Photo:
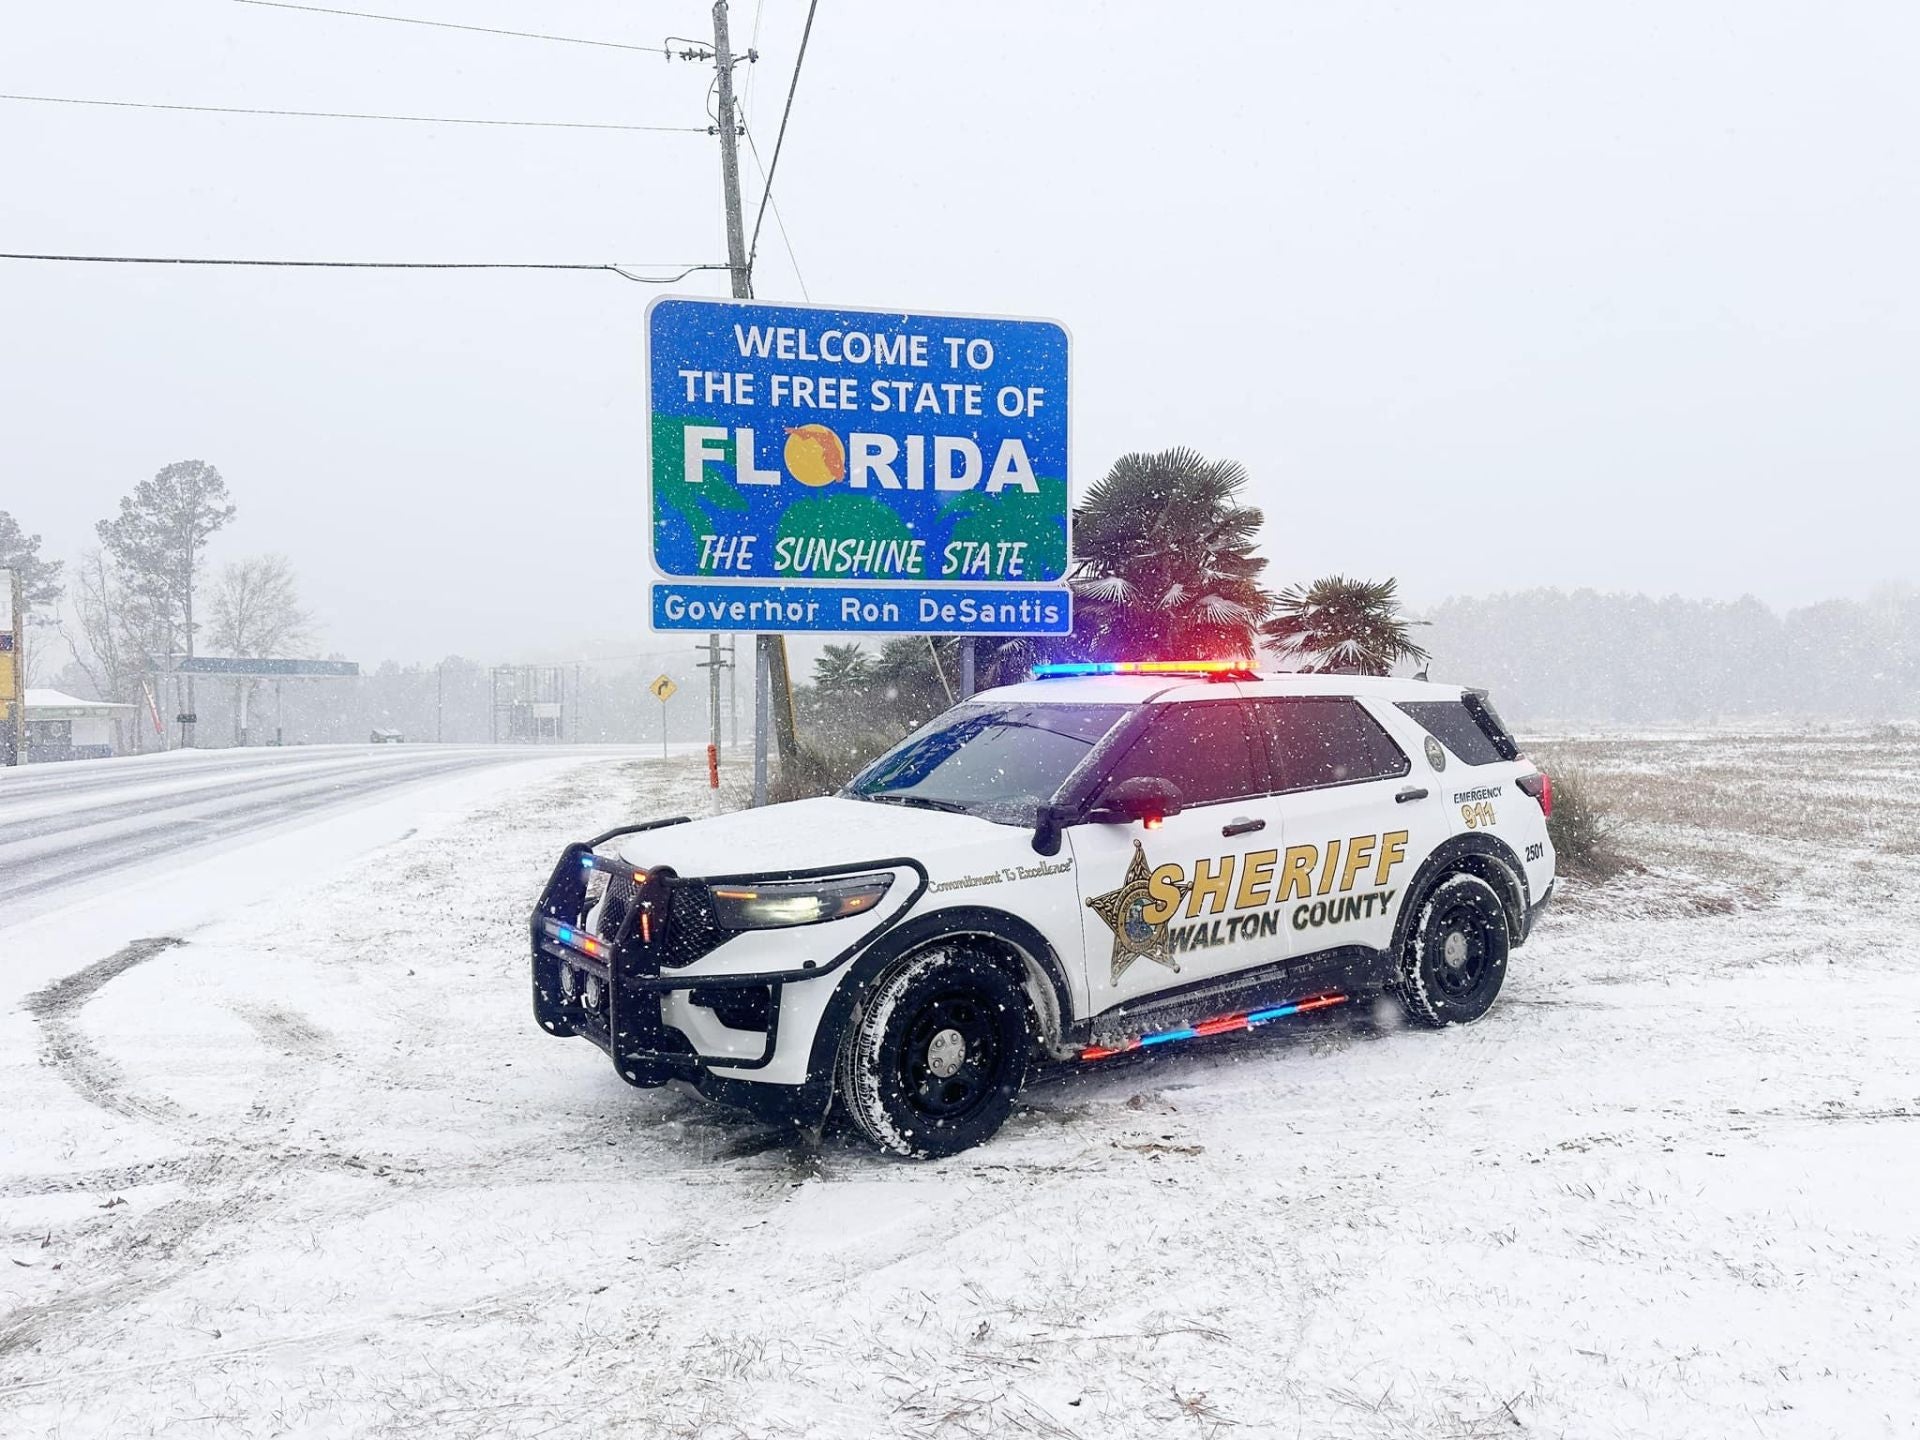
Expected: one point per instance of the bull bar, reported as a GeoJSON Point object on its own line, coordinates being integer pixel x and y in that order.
{"type": "Point", "coordinates": [651, 936]}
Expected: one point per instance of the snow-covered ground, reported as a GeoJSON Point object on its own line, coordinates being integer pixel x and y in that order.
{"type": "Point", "coordinates": [283, 1154]}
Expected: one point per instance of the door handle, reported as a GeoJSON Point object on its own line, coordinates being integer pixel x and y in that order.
{"type": "Point", "coordinates": [1416, 793]}
{"type": "Point", "coordinates": [1242, 826]}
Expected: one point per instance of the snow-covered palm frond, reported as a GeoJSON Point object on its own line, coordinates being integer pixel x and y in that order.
{"type": "Point", "coordinates": [1220, 610]}
{"type": "Point", "coordinates": [1107, 587]}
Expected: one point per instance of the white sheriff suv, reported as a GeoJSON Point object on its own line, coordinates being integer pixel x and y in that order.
{"type": "Point", "coordinates": [1105, 858]}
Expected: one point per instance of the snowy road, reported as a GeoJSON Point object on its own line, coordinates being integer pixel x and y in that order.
{"type": "Point", "coordinates": [292, 1160]}
{"type": "Point", "coordinates": [64, 825]}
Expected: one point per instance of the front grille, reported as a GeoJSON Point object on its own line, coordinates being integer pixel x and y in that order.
{"type": "Point", "coordinates": [619, 901]}
{"type": "Point", "coordinates": [693, 929]}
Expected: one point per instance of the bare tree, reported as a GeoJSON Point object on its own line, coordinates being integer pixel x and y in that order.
{"type": "Point", "coordinates": [256, 614]}
{"type": "Point", "coordinates": [256, 609]}
{"type": "Point", "coordinates": [112, 639]}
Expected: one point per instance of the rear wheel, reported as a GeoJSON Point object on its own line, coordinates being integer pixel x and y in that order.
{"type": "Point", "coordinates": [937, 1055]}
{"type": "Point", "coordinates": [1456, 956]}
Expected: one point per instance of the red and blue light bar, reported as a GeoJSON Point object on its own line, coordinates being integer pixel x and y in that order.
{"type": "Point", "coordinates": [1143, 667]}
{"type": "Point", "coordinates": [579, 940]}
{"type": "Point", "coordinates": [1226, 1024]}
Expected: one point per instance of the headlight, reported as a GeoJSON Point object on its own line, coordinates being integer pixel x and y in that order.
{"type": "Point", "coordinates": [797, 902]}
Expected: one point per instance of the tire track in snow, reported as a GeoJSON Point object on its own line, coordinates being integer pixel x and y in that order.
{"type": "Point", "coordinates": [228, 1179]}
{"type": "Point", "coordinates": [71, 1055]}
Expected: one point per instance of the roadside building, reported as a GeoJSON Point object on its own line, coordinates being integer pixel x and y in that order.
{"type": "Point", "coordinates": [65, 727]}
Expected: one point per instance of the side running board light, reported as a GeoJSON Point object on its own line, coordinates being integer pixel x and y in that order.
{"type": "Point", "coordinates": [1225, 1025]}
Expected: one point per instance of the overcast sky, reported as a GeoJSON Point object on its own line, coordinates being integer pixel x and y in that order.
{"type": "Point", "coordinates": [1484, 296]}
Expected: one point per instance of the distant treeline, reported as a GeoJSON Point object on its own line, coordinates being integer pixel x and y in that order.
{"type": "Point", "coordinates": [1584, 656]}
{"type": "Point", "coordinates": [1548, 656]}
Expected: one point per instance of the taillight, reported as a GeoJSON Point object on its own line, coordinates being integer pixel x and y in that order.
{"type": "Point", "coordinates": [1540, 786]}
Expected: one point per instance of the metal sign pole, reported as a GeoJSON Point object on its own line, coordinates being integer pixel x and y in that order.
{"type": "Point", "coordinates": [761, 680]}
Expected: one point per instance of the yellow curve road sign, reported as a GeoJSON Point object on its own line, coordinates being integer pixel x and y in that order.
{"type": "Point", "coordinates": [663, 689]}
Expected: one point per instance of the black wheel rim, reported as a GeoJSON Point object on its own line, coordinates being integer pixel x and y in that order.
{"type": "Point", "coordinates": [938, 1082]}
{"type": "Point", "coordinates": [1462, 953]}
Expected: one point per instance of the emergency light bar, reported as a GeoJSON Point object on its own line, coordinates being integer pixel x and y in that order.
{"type": "Point", "coordinates": [1227, 668]}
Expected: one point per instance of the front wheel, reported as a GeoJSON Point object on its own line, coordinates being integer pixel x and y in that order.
{"type": "Point", "coordinates": [939, 1051]}
{"type": "Point", "coordinates": [1456, 956]}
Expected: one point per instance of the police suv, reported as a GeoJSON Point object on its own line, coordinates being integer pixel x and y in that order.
{"type": "Point", "coordinates": [1105, 858]}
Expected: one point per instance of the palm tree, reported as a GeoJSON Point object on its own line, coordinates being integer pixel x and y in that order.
{"type": "Point", "coordinates": [1342, 627]}
{"type": "Point", "coordinates": [842, 668]}
{"type": "Point", "coordinates": [910, 681]}
{"type": "Point", "coordinates": [1163, 561]}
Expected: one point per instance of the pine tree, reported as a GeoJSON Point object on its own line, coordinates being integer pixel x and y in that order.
{"type": "Point", "coordinates": [20, 553]}
{"type": "Point", "coordinates": [158, 546]}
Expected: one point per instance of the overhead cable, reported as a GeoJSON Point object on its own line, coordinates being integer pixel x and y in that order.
{"type": "Point", "coordinates": [624, 271]}
{"type": "Point", "coordinates": [354, 115]}
{"type": "Point", "coordinates": [451, 25]}
{"type": "Point", "coordinates": [781, 138]}
{"type": "Point", "coordinates": [779, 222]}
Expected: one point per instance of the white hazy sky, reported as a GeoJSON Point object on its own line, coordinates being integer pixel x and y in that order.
{"type": "Point", "coordinates": [1484, 295]}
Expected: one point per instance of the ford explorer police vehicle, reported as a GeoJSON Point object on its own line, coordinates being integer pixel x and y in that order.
{"type": "Point", "coordinates": [1103, 859]}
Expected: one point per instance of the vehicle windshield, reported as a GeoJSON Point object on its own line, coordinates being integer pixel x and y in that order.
{"type": "Point", "coordinates": [1000, 762]}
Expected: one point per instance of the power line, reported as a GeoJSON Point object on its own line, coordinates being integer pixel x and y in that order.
{"type": "Point", "coordinates": [625, 272]}
{"type": "Point", "coordinates": [779, 221]}
{"type": "Point", "coordinates": [781, 138]}
{"type": "Point", "coordinates": [753, 48]}
{"type": "Point", "coordinates": [450, 25]}
{"type": "Point", "coordinates": [350, 115]}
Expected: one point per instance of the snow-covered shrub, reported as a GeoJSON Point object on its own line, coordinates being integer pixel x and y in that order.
{"type": "Point", "coordinates": [1584, 827]}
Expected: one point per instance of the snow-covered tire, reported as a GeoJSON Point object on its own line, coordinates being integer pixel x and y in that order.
{"type": "Point", "coordinates": [936, 1054]}
{"type": "Point", "coordinates": [1456, 955]}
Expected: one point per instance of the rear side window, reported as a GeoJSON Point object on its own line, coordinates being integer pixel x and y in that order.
{"type": "Point", "coordinates": [1466, 726]}
{"type": "Point", "coordinates": [1203, 748]}
{"type": "Point", "coordinates": [1316, 741]}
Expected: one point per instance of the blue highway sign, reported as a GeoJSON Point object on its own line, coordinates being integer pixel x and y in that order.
{"type": "Point", "coordinates": [851, 470]}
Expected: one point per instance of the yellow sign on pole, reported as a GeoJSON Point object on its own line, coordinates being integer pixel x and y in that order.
{"type": "Point", "coordinates": [663, 689]}
{"type": "Point", "coordinates": [13, 667]}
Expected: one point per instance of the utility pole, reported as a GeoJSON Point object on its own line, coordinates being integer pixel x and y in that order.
{"type": "Point", "coordinates": [713, 665]}
{"type": "Point", "coordinates": [736, 254]}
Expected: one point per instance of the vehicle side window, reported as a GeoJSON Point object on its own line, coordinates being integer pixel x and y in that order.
{"type": "Point", "coordinates": [1457, 727]}
{"type": "Point", "coordinates": [1202, 747]}
{"type": "Point", "coordinates": [1315, 741]}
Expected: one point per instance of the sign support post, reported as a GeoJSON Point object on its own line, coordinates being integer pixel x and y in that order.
{"type": "Point", "coordinates": [761, 679]}
{"type": "Point", "coordinates": [663, 689]}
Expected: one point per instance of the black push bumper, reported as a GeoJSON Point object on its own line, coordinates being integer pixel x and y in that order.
{"type": "Point", "coordinates": [605, 976]}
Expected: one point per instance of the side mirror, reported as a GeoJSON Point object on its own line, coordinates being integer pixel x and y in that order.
{"type": "Point", "coordinates": [1144, 797]}
{"type": "Point", "coordinates": [1046, 830]}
